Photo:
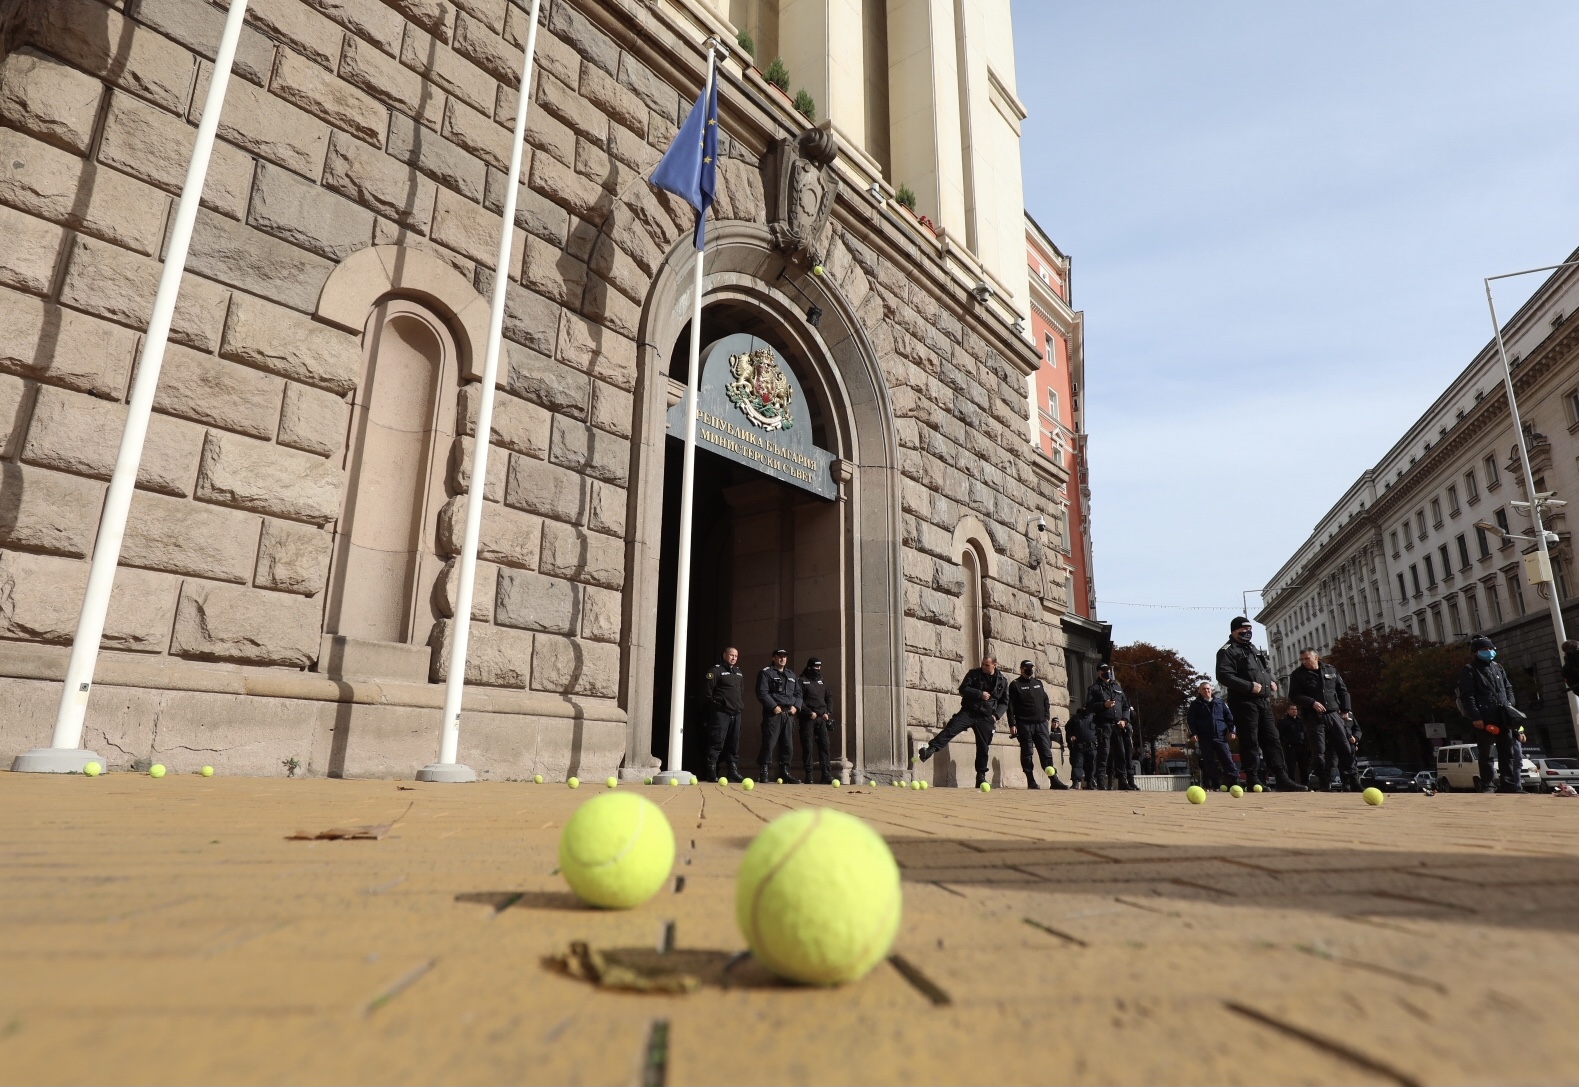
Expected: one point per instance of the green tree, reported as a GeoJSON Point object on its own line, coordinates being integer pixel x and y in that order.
{"type": "Point", "coordinates": [1397, 682]}
{"type": "Point", "coordinates": [1159, 681]}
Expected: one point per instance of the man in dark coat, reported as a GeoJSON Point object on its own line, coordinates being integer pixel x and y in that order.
{"type": "Point", "coordinates": [1323, 700]}
{"type": "Point", "coordinates": [1082, 732]}
{"type": "Point", "coordinates": [1296, 753]}
{"type": "Point", "coordinates": [816, 720]}
{"type": "Point", "coordinates": [778, 691]}
{"type": "Point", "coordinates": [1245, 675]}
{"type": "Point", "coordinates": [723, 701]}
{"type": "Point", "coordinates": [983, 697]}
{"type": "Point", "coordinates": [1108, 704]}
{"type": "Point", "coordinates": [1030, 710]}
{"type": "Point", "coordinates": [1212, 724]}
{"type": "Point", "coordinates": [1485, 696]}
{"type": "Point", "coordinates": [1121, 760]}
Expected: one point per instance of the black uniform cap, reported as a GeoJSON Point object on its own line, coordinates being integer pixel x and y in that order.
{"type": "Point", "coordinates": [1027, 664]}
{"type": "Point", "coordinates": [1239, 621]}
{"type": "Point", "coordinates": [781, 652]}
{"type": "Point", "coordinates": [1480, 641]}
{"type": "Point", "coordinates": [814, 662]}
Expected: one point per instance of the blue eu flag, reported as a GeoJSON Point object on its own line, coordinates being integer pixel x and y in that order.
{"type": "Point", "coordinates": [689, 169]}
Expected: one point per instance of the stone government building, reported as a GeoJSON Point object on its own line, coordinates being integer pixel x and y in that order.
{"type": "Point", "coordinates": [286, 589]}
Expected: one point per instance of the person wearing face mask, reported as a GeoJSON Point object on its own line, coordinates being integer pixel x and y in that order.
{"type": "Point", "coordinates": [1108, 705]}
{"type": "Point", "coordinates": [1029, 713]}
{"type": "Point", "coordinates": [816, 720]}
{"type": "Point", "coordinates": [1485, 696]}
{"type": "Point", "coordinates": [1245, 674]}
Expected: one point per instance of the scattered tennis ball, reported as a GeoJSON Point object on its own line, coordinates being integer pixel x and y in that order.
{"type": "Point", "coordinates": [616, 850]}
{"type": "Point", "coordinates": [156, 770]}
{"type": "Point", "coordinates": [818, 898]}
{"type": "Point", "coordinates": [1222, 788]}
{"type": "Point", "coordinates": [778, 781]}
{"type": "Point", "coordinates": [1374, 796]}
{"type": "Point", "coordinates": [834, 783]}
{"type": "Point", "coordinates": [646, 781]}
{"type": "Point", "coordinates": [207, 771]}
{"type": "Point", "coordinates": [574, 783]}
{"type": "Point", "coordinates": [1195, 794]}
{"type": "Point", "coordinates": [747, 784]}
{"type": "Point", "coordinates": [916, 785]}
{"type": "Point", "coordinates": [1052, 771]}
{"type": "Point", "coordinates": [1236, 792]}
{"type": "Point", "coordinates": [985, 787]}
{"type": "Point", "coordinates": [1256, 788]}
{"type": "Point", "coordinates": [537, 779]}
{"type": "Point", "coordinates": [724, 782]}
{"type": "Point", "coordinates": [674, 781]}
{"type": "Point", "coordinates": [93, 769]}
{"type": "Point", "coordinates": [925, 785]}
{"type": "Point", "coordinates": [871, 783]}
{"type": "Point", "coordinates": [611, 782]}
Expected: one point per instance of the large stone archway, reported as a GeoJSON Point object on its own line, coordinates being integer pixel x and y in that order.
{"type": "Point", "coordinates": [841, 372]}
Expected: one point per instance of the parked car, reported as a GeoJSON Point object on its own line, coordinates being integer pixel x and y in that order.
{"type": "Point", "coordinates": [1423, 782]}
{"type": "Point", "coordinates": [1389, 779]}
{"type": "Point", "coordinates": [1458, 767]}
{"type": "Point", "coordinates": [1554, 772]}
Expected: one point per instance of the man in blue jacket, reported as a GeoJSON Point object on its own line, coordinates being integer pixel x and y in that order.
{"type": "Point", "coordinates": [1212, 724]}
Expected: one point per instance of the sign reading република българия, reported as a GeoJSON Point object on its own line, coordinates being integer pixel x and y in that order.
{"type": "Point", "coordinates": [751, 409]}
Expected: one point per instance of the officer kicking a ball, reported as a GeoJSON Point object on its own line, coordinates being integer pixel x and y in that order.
{"type": "Point", "coordinates": [983, 698]}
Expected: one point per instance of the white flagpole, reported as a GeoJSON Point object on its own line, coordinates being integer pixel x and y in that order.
{"type": "Point", "coordinates": [447, 768]}
{"type": "Point", "coordinates": [682, 592]}
{"type": "Point", "coordinates": [65, 755]}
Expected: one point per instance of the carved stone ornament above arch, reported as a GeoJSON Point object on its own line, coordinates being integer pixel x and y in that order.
{"type": "Point", "coordinates": [370, 275]}
{"type": "Point", "coordinates": [971, 530]}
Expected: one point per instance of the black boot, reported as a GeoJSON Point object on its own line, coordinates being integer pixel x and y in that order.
{"type": "Point", "coordinates": [1056, 782]}
{"type": "Point", "coordinates": [827, 774]}
{"type": "Point", "coordinates": [733, 773]}
{"type": "Point", "coordinates": [1286, 784]}
{"type": "Point", "coordinates": [1030, 782]}
{"type": "Point", "coordinates": [791, 779]}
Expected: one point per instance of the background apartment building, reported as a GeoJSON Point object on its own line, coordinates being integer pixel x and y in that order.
{"type": "Point", "coordinates": [1401, 547]}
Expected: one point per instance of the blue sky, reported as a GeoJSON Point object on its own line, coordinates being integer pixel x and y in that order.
{"type": "Point", "coordinates": [1279, 216]}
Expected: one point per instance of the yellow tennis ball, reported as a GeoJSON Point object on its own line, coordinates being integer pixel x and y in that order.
{"type": "Point", "coordinates": [871, 783]}
{"type": "Point", "coordinates": [1236, 792]}
{"type": "Point", "coordinates": [724, 782]}
{"type": "Point", "coordinates": [817, 897]}
{"type": "Point", "coordinates": [537, 779]}
{"type": "Point", "coordinates": [1195, 794]}
{"type": "Point", "coordinates": [778, 781]}
{"type": "Point", "coordinates": [747, 784]}
{"type": "Point", "coordinates": [207, 771]}
{"type": "Point", "coordinates": [1052, 771]}
{"type": "Point", "coordinates": [925, 784]}
{"type": "Point", "coordinates": [616, 850]}
{"type": "Point", "coordinates": [1256, 788]}
{"type": "Point", "coordinates": [916, 785]}
{"type": "Point", "coordinates": [834, 783]}
{"type": "Point", "coordinates": [156, 770]}
{"type": "Point", "coordinates": [1374, 796]}
{"type": "Point", "coordinates": [574, 783]}
{"type": "Point", "coordinates": [674, 782]}
{"type": "Point", "coordinates": [986, 787]}
{"type": "Point", "coordinates": [93, 769]}
{"type": "Point", "coordinates": [646, 781]}
{"type": "Point", "coordinates": [611, 783]}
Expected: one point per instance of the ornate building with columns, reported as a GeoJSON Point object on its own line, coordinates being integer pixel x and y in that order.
{"type": "Point", "coordinates": [286, 589]}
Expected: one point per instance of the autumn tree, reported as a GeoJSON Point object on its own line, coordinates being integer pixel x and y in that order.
{"type": "Point", "coordinates": [1158, 682]}
{"type": "Point", "coordinates": [1397, 682]}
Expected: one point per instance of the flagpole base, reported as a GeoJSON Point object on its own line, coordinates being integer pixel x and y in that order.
{"type": "Point", "coordinates": [447, 772]}
{"type": "Point", "coordinates": [54, 760]}
{"type": "Point", "coordinates": [680, 777]}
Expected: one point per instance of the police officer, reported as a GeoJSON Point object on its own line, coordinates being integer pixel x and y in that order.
{"type": "Point", "coordinates": [1082, 733]}
{"type": "Point", "coordinates": [1212, 724]}
{"type": "Point", "coordinates": [815, 720]}
{"type": "Point", "coordinates": [779, 693]}
{"type": "Point", "coordinates": [1245, 674]}
{"type": "Point", "coordinates": [723, 700]}
{"type": "Point", "coordinates": [1108, 705]}
{"type": "Point", "coordinates": [1121, 763]}
{"type": "Point", "coordinates": [1485, 696]}
{"type": "Point", "coordinates": [1029, 713]}
{"type": "Point", "coordinates": [983, 698]}
{"type": "Point", "coordinates": [1296, 755]}
{"type": "Point", "coordinates": [1323, 700]}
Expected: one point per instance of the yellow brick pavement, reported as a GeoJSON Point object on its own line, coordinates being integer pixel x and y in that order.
{"type": "Point", "coordinates": [168, 932]}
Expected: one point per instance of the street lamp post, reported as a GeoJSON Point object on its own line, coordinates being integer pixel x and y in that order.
{"type": "Point", "coordinates": [1541, 537]}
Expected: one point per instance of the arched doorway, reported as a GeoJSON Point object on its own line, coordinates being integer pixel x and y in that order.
{"type": "Point", "coordinates": [814, 576]}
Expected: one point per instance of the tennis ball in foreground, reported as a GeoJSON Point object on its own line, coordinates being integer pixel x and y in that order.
{"type": "Point", "coordinates": [1256, 788]}
{"type": "Point", "coordinates": [574, 783]}
{"type": "Point", "coordinates": [817, 897]}
{"type": "Point", "coordinates": [1052, 771]}
{"type": "Point", "coordinates": [93, 769]}
{"type": "Point", "coordinates": [1236, 792]}
{"type": "Point", "coordinates": [156, 770]}
{"type": "Point", "coordinates": [1195, 794]}
{"type": "Point", "coordinates": [724, 782]}
{"type": "Point", "coordinates": [537, 779]}
{"type": "Point", "coordinates": [747, 784]}
{"type": "Point", "coordinates": [616, 850]}
{"type": "Point", "coordinates": [1374, 796]}
{"type": "Point", "coordinates": [778, 781]}
{"type": "Point", "coordinates": [611, 782]}
{"type": "Point", "coordinates": [207, 771]}
{"type": "Point", "coordinates": [834, 783]}
{"type": "Point", "coordinates": [916, 785]}
{"type": "Point", "coordinates": [925, 785]}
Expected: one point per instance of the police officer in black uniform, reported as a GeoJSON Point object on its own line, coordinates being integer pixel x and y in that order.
{"type": "Point", "coordinates": [1121, 763]}
{"type": "Point", "coordinates": [816, 719]}
{"type": "Point", "coordinates": [983, 698]}
{"type": "Point", "coordinates": [779, 693]}
{"type": "Point", "coordinates": [1029, 713]}
{"type": "Point", "coordinates": [1296, 751]}
{"type": "Point", "coordinates": [1246, 676]}
{"type": "Point", "coordinates": [723, 700]}
{"type": "Point", "coordinates": [1323, 700]}
{"type": "Point", "coordinates": [1082, 733]}
{"type": "Point", "coordinates": [1485, 696]}
{"type": "Point", "coordinates": [1108, 705]}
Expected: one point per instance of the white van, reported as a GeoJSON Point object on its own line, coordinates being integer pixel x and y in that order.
{"type": "Point", "coordinates": [1458, 767]}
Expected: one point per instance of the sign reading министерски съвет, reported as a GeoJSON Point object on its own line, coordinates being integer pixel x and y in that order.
{"type": "Point", "coordinates": [751, 409]}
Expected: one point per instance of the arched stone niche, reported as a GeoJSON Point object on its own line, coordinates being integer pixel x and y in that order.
{"type": "Point", "coordinates": [838, 367]}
